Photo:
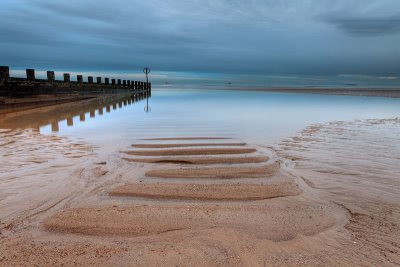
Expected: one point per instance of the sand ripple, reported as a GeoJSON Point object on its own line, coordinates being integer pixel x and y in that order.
{"type": "Point", "coordinates": [192, 151]}
{"type": "Point", "coordinates": [185, 145]}
{"type": "Point", "coordinates": [217, 172]}
{"type": "Point", "coordinates": [200, 160]}
{"type": "Point", "coordinates": [146, 220]}
{"type": "Point", "coordinates": [236, 191]}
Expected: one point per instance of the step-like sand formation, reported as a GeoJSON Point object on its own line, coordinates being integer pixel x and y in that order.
{"type": "Point", "coordinates": [233, 160]}
{"type": "Point", "coordinates": [217, 172]}
{"type": "Point", "coordinates": [200, 160]}
{"type": "Point", "coordinates": [227, 191]}
{"type": "Point", "coordinates": [191, 151]}
{"type": "Point", "coordinates": [274, 223]}
{"type": "Point", "coordinates": [185, 138]}
{"type": "Point", "coordinates": [185, 145]}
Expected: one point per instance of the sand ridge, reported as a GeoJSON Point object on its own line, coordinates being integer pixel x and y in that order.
{"type": "Point", "coordinates": [227, 191]}
{"type": "Point", "coordinates": [217, 172]}
{"type": "Point", "coordinates": [185, 145]}
{"type": "Point", "coordinates": [199, 160]}
{"type": "Point", "coordinates": [191, 151]}
{"type": "Point", "coordinates": [185, 138]}
{"type": "Point", "coordinates": [150, 220]}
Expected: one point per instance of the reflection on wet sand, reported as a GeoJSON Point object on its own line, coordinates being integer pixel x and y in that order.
{"type": "Point", "coordinates": [53, 115]}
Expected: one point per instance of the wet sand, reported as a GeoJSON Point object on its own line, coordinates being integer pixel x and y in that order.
{"type": "Point", "coordinates": [328, 196]}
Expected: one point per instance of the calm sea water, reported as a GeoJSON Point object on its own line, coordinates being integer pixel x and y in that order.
{"type": "Point", "coordinates": [257, 116]}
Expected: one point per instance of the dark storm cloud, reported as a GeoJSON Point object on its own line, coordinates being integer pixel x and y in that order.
{"type": "Point", "coordinates": [261, 36]}
{"type": "Point", "coordinates": [368, 26]}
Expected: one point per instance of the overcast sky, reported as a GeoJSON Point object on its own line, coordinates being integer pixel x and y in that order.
{"type": "Point", "coordinates": [223, 36]}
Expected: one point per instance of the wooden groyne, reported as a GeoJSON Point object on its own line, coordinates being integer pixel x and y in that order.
{"type": "Point", "coordinates": [31, 91]}
{"type": "Point", "coordinates": [30, 85]}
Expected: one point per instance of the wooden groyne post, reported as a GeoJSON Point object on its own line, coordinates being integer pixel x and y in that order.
{"type": "Point", "coordinates": [50, 76]}
{"type": "Point", "coordinates": [67, 78]}
{"type": "Point", "coordinates": [30, 75]}
{"type": "Point", "coordinates": [4, 73]}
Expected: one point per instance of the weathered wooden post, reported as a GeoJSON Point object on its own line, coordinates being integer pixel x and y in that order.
{"type": "Point", "coordinates": [30, 75]}
{"type": "Point", "coordinates": [67, 77]}
{"type": "Point", "coordinates": [125, 102]}
{"type": "Point", "coordinates": [50, 76]}
{"type": "Point", "coordinates": [98, 80]}
{"type": "Point", "coordinates": [128, 83]}
{"type": "Point", "coordinates": [4, 73]}
{"type": "Point", "coordinates": [79, 79]}
{"type": "Point", "coordinates": [70, 121]}
{"type": "Point", "coordinates": [108, 108]}
{"type": "Point", "coordinates": [120, 104]}
{"type": "Point", "coordinates": [113, 81]}
{"type": "Point", "coordinates": [119, 82]}
{"type": "Point", "coordinates": [135, 86]}
{"type": "Point", "coordinates": [54, 126]}
{"type": "Point", "coordinates": [82, 116]}
{"type": "Point", "coordinates": [114, 106]}
{"type": "Point", "coordinates": [90, 79]}
{"type": "Point", "coordinates": [101, 111]}
{"type": "Point", "coordinates": [124, 82]}
{"type": "Point", "coordinates": [142, 85]}
{"type": "Point", "coordinates": [107, 81]}
{"type": "Point", "coordinates": [92, 114]}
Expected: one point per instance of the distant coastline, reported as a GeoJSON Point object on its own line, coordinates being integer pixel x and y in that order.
{"type": "Point", "coordinates": [374, 92]}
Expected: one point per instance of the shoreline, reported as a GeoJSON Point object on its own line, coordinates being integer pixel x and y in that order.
{"type": "Point", "coordinates": [370, 92]}
{"type": "Point", "coordinates": [392, 93]}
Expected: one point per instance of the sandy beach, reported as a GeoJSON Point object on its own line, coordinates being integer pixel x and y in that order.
{"type": "Point", "coordinates": [200, 133]}
{"type": "Point", "coordinates": [327, 196]}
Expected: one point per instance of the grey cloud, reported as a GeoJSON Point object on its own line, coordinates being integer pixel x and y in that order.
{"type": "Point", "coordinates": [368, 26]}
{"type": "Point", "coordinates": [263, 36]}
